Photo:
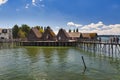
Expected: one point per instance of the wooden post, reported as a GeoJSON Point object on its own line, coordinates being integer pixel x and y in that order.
{"type": "Point", "coordinates": [83, 62]}
{"type": "Point", "coordinates": [109, 49]}
{"type": "Point", "coordinates": [112, 49]}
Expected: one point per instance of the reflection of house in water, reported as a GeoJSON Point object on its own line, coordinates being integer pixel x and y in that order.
{"type": "Point", "coordinates": [5, 33]}
{"type": "Point", "coordinates": [61, 54]}
{"type": "Point", "coordinates": [48, 54]}
{"type": "Point", "coordinates": [33, 53]}
{"type": "Point", "coordinates": [49, 35]}
{"type": "Point", "coordinates": [34, 35]}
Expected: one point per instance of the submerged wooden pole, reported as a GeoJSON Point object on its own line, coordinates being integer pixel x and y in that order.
{"type": "Point", "coordinates": [83, 62]}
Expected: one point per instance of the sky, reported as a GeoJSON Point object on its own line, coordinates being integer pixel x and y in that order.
{"type": "Point", "coordinates": [101, 16]}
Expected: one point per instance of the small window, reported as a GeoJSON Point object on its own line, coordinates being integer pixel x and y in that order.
{"type": "Point", "coordinates": [59, 38]}
{"type": "Point", "coordinates": [4, 31]}
{"type": "Point", "coordinates": [2, 38]}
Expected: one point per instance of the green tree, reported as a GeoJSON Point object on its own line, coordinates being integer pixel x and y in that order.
{"type": "Point", "coordinates": [40, 28]}
{"type": "Point", "coordinates": [69, 30]}
{"type": "Point", "coordinates": [21, 34]}
{"type": "Point", "coordinates": [15, 31]}
{"type": "Point", "coordinates": [74, 30]}
{"type": "Point", "coordinates": [77, 30]}
{"type": "Point", "coordinates": [25, 28]}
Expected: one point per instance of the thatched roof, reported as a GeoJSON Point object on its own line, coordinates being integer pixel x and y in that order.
{"type": "Point", "coordinates": [49, 31]}
{"type": "Point", "coordinates": [85, 35]}
{"type": "Point", "coordinates": [36, 32]}
{"type": "Point", "coordinates": [0, 30]}
{"type": "Point", "coordinates": [88, 35]}
{"type": "Point", "coordinates": [64, 32]}
{"type": "Point", "coordinates": [52, 33]}
{"type": "Point", "coordinates": [93, 34]}
{"type": "Point", "coordinates": [74, 34]}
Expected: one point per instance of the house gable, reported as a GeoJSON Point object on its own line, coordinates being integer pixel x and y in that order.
{"type": "Point", "coordinates": [62, 35]}
{"type": "Point", "coordinates": [49, 35]}
{"type": "Point", "coordinates": [34, 35]}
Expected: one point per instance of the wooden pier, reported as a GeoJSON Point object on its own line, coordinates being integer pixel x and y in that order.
{"type": "Point", "coordinates": [104, 48]}
{"type": "Point", "coordinates": [47, 43]}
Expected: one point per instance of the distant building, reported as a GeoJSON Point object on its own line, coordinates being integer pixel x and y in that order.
{"type": "Point", "coordinates": [6, 34]}
{"type": "Point", "coordinates": [34, 35]}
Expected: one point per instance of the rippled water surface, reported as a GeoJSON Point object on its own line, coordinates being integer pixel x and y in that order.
{"type": "Point", "coordinates": [51, 63]}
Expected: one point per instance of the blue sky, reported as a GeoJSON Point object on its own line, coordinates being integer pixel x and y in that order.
{"type": "Point", "coordinates": [102, 16]}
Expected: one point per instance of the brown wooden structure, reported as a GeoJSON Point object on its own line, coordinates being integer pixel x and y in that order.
{"type": "Point", "coordinates": [34, 35]}
{"type": "Point", "coordinates": [49, 35]}
{"type": "Point", "coordinates": [74, 35]}
{"type": "Point", "coordinates": [67, 36]}
{"type": "Point", "coordinates": [102, 48]}
{"type": "Point", "coordinates": [48, 43]}
{"type": "Point", "coordinates": [62, 35]}
{"type": "Point", "coordinates": [88, 37]}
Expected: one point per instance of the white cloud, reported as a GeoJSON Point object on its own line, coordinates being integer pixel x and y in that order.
{"type": "Point", "coordinates": [99, 28]}
{"type": "Point", "coordinates": [57, 27]}
{"type": "Point", "coordinates": [72, 24]}
{"type": "Point", "coordinates": [34, 2]}
{"type": "Point", "coordinates": [3, 1]}
{"type": "Point", "coordinates": [41, 0]}
{"type": "Point", "coordinates": [93, 26]}
{"type": "Point", "coordinates": [38, 3]}
{"type": "Point", "coordinates": [27, 6]}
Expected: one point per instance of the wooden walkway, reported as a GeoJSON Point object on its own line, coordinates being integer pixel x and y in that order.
{"type": "Point", "coordinates": [47, 43]}
{"type": "Point", "coordinates": [106, 48]}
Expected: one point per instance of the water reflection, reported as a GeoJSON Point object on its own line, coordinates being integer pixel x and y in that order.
{"type": "Point", "coordinates": [33, 53]}
{"type": "Point", "coordinates": [42, 63]}
{"type": "Point", "coordinates": [48, 53]}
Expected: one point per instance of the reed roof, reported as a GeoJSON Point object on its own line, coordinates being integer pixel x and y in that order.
{"type": "Point", "coordinates": [37, 32]}
{"type": "Point", "coordinates": [74, 34]}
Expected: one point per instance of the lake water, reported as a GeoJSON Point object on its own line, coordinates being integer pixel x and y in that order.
{"type": "Point", "coordinates": [56, 63]}
{"type": "Point", "coordinates": [107, 38]}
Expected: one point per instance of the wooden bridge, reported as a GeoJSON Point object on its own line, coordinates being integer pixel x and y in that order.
{"type": "Point", "coordinates": [106, 48]}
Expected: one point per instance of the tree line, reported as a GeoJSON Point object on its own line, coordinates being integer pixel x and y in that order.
{"type": "Point", "coordinates": [23, 31]}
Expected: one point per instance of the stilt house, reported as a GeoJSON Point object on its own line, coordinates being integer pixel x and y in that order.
{"type": "Point", "coordinates": [67, 36]}
{"type": "Point", "coordinates": [63, 35]}
{"type": "Point", "coordinates": [88, 36]}
{"type": "Point", "coordinates": [48, 35]}
{"type": "Point", "coordinates": [34, 35]}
